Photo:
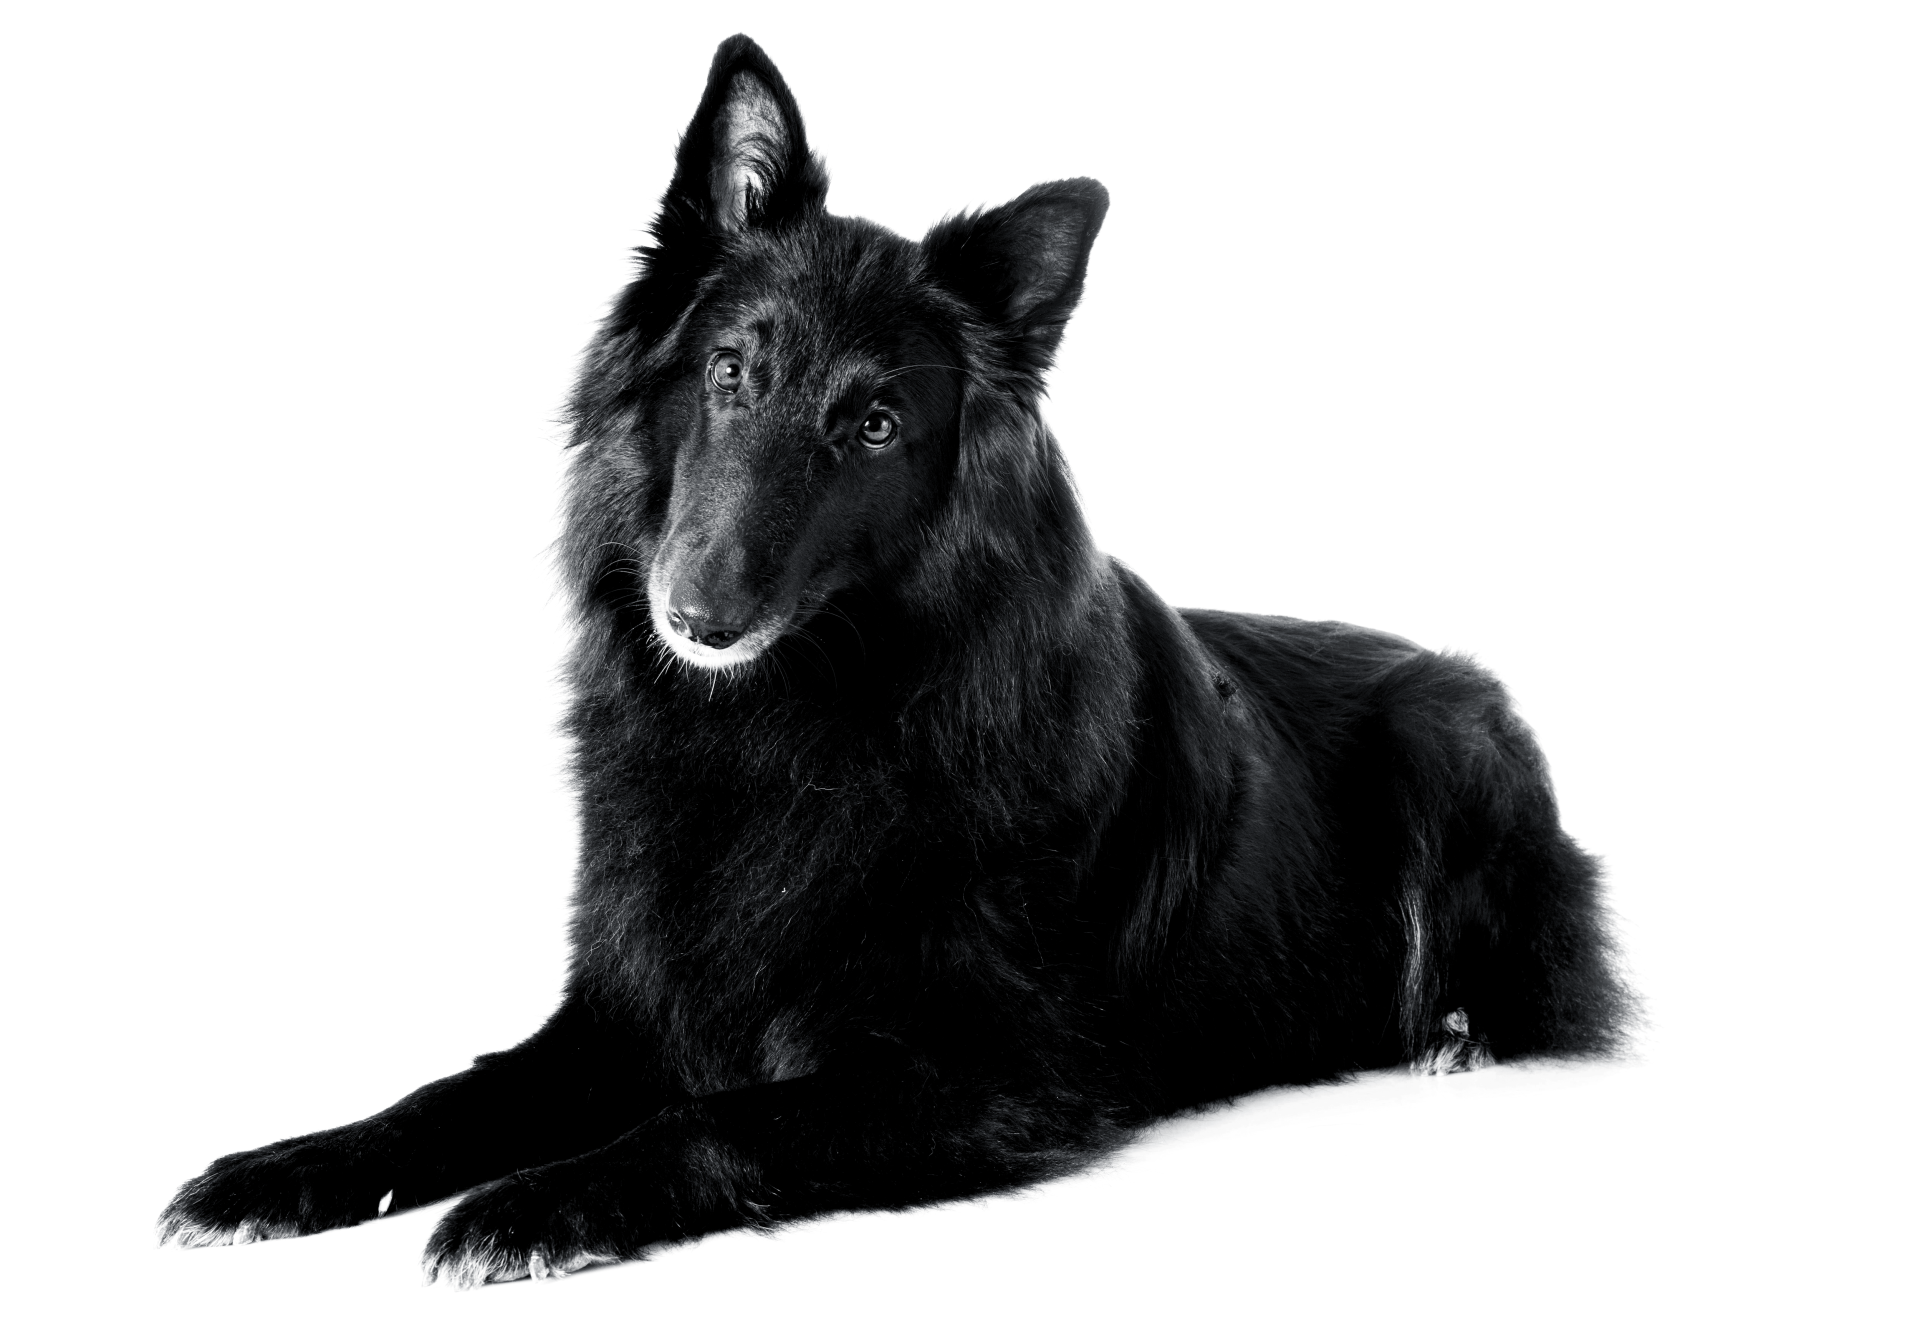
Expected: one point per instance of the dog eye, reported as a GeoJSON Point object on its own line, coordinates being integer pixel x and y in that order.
{"type": "Point", "coordinates": [726, 371]}
{"type": "Point", "coordinates": [877, 431]}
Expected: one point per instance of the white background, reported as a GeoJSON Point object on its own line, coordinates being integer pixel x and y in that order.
{"type": "Point", "coordinates": [1582, 340]}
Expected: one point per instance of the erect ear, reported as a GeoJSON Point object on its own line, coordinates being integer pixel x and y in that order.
{"type": "Point", "coordinates": [744, 161]}
{"type": "Point", "coordinates": [1022, 265]}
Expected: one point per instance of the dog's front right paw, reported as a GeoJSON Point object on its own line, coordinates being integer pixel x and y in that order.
{"type": "Point", "coordinates": [288, 1189]}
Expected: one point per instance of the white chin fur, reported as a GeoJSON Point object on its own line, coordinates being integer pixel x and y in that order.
{"type": "Point", "coordinates": [743, 652]}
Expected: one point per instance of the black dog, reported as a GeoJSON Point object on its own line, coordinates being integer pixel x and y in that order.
{"type": "Point", "coordinates": [925, 852]}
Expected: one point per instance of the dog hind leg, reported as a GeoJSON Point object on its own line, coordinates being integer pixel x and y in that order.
{"type": "Point", "coordinates": [1501, 911]}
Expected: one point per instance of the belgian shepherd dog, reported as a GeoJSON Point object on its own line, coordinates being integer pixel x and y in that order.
{"type": "Point", "coordinates": [924, 851]}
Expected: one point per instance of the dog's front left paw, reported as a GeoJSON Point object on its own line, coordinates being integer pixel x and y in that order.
{"type": "Point", "coordinates": [534, 1224]}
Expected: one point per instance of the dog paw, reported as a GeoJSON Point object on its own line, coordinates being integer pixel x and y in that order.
{"type": "Point", "coordinates": [288, 1189]}
{"type": "Point", "coordinates": [1455, 1049]}
{"type": "Point", "coordinates": [522, 1227]}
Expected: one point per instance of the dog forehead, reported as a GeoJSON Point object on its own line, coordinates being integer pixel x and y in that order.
{"type": "Point", "coordinates": [830, 289]}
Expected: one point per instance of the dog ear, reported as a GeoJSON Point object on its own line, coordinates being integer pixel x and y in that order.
{"type": "Point", "coordinates": [743, 162]}
{"type": "Point", "coordinates": [1022, 265]}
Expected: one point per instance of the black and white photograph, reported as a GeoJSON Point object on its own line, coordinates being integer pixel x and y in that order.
{"type": "Point", "coordinates": [1019, 660]}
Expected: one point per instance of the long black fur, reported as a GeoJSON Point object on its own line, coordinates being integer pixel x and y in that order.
{"type": "Point", "coordinates": [983, 856]}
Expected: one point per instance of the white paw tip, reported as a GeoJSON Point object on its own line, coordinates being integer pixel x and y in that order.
{"type": "Point", "coordinates": [385, 1202]}
{"type": "Point", "coordinates": [185, 1233]}
{"type": "Point", "coordinates": [537, 1265]}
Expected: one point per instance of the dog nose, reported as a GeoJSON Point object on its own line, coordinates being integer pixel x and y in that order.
{"type": "Point", "coordinates": [717, 623]}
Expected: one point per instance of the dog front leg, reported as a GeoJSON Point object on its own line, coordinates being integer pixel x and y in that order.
{"type": "Point", "coordinates": [570, 1087]}
{"type": "Point", "coordinates": [760, 1156]}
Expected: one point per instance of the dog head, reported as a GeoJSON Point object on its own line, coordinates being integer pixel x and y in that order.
{"type": "Point", "coordinates": [781, 405]}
